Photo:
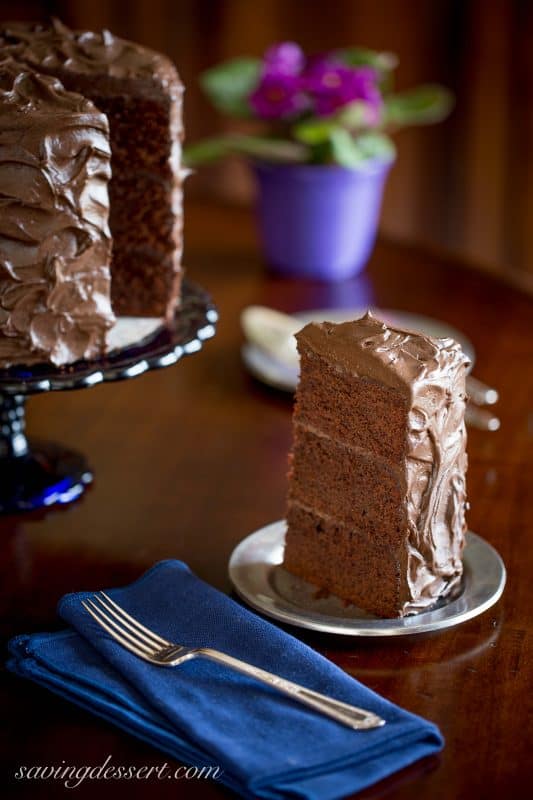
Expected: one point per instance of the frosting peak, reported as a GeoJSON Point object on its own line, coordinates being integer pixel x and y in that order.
{"type": "Point", "coordinates": [25, 91]}
{"type": "Point", "coordinates": [55, 46]}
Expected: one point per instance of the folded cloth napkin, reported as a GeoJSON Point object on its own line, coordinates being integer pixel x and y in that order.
{"type": "Point", "coordinates": [205, 714]}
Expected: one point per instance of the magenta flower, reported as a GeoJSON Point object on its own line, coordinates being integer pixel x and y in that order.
{"type": "Point", "coordinates": [286, 58]}
{"type": "Point", "coordinates": [290, 85]}
{"type": "Point", "coordinates": [278, 96]}
{"type": "Point", "coordinates": [334, 85]}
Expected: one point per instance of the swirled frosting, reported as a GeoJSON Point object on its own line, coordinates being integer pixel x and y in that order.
{"type": "Point", "coordinates": [430, 374]}
{"type": "Point", "coordinates": [55, 244]}
{"type": "Point", "coordinates": [55, 47]}
{"type": "Point", "coordinates": [141, 94]}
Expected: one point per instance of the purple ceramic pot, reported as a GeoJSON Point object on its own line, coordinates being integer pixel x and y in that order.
{"type": "Point", "coordinates": [319, 221]}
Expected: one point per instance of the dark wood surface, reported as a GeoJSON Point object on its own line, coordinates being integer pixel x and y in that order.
{"type": "Point", "coordinates": [191, 459]}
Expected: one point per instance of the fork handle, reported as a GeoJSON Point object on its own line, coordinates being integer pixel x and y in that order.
{"type": "Point", "coordinates": [353, 717]}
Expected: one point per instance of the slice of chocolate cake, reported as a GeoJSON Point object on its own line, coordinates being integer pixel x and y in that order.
{"type": "Point", "coordinates": [376, 511]}
{"type": "Point", "coordinates": [55, 244]}
{"type": "Point", "coordinates": [140, 93]}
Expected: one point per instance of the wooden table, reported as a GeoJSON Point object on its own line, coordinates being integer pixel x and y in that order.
{"type": "Point", "coordinates": [191, 459]}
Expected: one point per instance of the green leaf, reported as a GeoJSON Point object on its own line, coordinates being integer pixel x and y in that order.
{"type": "Point", "coordinates": [229, 84]}
{"type": "Point", "coordinates": [361, 56]}
{"type": "Point", "coordinates": [206, 151]}
{"type": "Point", "coordinates": [344, 150]}
{"type": "Point", "coordinates": [279, 150]}
{"type": "Point", "coordinates": [314, 131]}
{"type": "Point", "coordinates": [282, 150]}
{"type": "Point", "coordinates": [354, 115]}
{"type": "Point", "coordinates": [373, 144]}
{"type": "Point", "coordinates": [339, 147]}
{"type": "Point", "coordinates": [421, 106]}
{"type": "Point", "coordinates": [353, 151]}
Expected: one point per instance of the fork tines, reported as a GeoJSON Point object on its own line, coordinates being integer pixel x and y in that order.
{"type": "Point", "coordinates": [123, 627]}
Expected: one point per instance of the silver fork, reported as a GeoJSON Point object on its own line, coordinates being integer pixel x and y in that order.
{"type": "Point", "coordinates": [146, 644]}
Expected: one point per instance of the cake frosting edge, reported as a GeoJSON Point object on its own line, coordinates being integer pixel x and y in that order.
{"type": "Point", "coordinates": [55, 244]}
{"type": "Point", "coordinates": [430, 373]}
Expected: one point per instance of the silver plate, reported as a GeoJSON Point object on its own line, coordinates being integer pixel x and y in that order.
{"type": "Point", "coordinates": [256, 573]}
{"type": "Point", "coordinates": [282, 376]}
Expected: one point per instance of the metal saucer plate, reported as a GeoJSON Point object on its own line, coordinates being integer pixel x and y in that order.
{"type": "Point", "coordinates": [257, 575]}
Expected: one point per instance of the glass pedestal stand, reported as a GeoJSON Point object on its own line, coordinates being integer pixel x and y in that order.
{"type": "Point", "coordinates": [35, 474]}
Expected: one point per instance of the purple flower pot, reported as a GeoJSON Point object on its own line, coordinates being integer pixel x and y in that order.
{"type": "Point", "coordinates": [319, 222]}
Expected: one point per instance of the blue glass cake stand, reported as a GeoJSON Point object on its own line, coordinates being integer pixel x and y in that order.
{"type": "Point", "coordinates": [35, 474]}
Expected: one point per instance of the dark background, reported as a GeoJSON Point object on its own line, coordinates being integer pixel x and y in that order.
{"type": "Point", "coordinates": [462, 185]}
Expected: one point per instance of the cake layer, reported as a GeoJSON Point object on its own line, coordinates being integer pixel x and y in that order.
{"type": "Point", "coordinates": [362, 491]}
{"type": "Point", "coordinates": [144, 274]}
{"type": "Point", "coordinates": [360, 412]}
{"type": "Point", "coordinates": [346, 562]}
{"type": "Point", "coordinates": [146, 205]}
{"type": "Point", "coordinates": [379, 460]}
{"type": "Point", "coordinates": [55, 245]}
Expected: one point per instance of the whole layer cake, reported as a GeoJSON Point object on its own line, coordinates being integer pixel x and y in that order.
{"type": "Point", "coordinates": [376, 510]}
{"type": "Point", "coordinates": [55, 244]}
{"type": "Point", "coordinates": [140, 93]}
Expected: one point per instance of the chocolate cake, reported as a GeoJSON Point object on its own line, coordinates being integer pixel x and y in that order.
{"type": "Point", "coordinates": [140, 93]}
{"type": "Point", "coordinates": [376, 510]}
{"type": "Point", "coordinates": [55, 243]}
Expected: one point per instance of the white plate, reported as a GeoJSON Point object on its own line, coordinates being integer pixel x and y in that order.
{"type": "Point", "coordinates": [256, 573]}
{"type": "Point", "coordinates": [268, 370]}
{"type": "Point", "coordinates": [275, 373]}
{"type": "Point", "coordinates": [131, 330]}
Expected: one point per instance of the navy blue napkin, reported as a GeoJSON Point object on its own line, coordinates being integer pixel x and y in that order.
{"type": "Point", "coordinates": [205, 714]}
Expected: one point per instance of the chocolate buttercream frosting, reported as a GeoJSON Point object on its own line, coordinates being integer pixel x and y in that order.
{"type": "Point", "coordinates": [430, 374]}
{"type": "Point", "coordinates": [54, 47]}
{"type": "Point", "coordinates": [120, 76]}
{"type": "Point", "coordinates": [55, 244]}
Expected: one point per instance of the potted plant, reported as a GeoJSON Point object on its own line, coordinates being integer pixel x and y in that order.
{"type": "Point", "coordinates": [322, 164]}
